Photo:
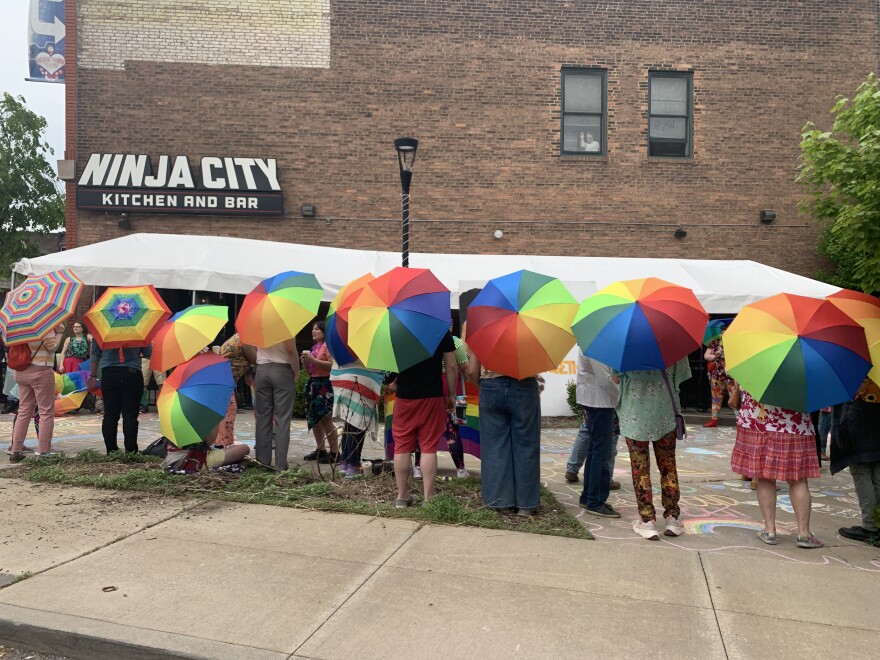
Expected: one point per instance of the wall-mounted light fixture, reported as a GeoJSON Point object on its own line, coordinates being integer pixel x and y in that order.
{"type": "Point", "coordinates": [124, 221]}
{"type": "Point", "coordinates": [308, 210]}
{"type": "Point", "coordinates": [498, 233]}
{"type": "Point", "coordinates": [767, 217]}
{"type": "Point", "coordinates": [680, 233]}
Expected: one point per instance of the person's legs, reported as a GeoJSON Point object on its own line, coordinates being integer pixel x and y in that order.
{"type": "Point", "coordinates": [801, 502]}
{"type": "Point", "coordinates": [717, 389]}
{"type": "Point", "coordinates": [670, 493]}
{"type": "Point", "coordinates": [284, 393]}
{"type": "Point", "coordinates": [640, 463]}
{"type": "Point", "coordinates": [524, 408]}
{"type": "Point", "coordinates": [44, 389]}
{"type": "Point", "coordinates": [111, 391]}
{"type": "Point", "coordinates": [429, 473]}
{"type": "Point", "coordinates": [131, 391]}
{"type": "Point", "coordinates": [766, 492]}
{"type": "Point", "coordinates": [406, 424]}
{"type": "Point", "coordinates": [866, 478]}
{"type": "Point", "coordinates": [328, 431]}
{"type": "Point", "coordinates": [27, 399]}
{"type": "Point", "coordinates": [612, 458]}
{"type": "Point", "coordinates": [226, 435]}
{"type": "Point", "coordinates": [495, 445]}
{"type": "Point", "coordinates": [264, 402]}
{"type": "Point", "coordinates": [597, 478]}
{"type": "Point", "coordinates": [824, 429]}
{"type": "Point", "coordinates": [235, 453]}
{"type": "Point", "coordinates": [578, 451]}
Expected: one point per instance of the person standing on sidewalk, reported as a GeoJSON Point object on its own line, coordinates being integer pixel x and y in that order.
{"type": "Point", "coordinates": [857, 446]}
{"type": "Point", "coordinates": [36, 387]}
{"type": "Point", "coordinates": [277, 371]}
{"type": "Point", "coordinates": [718, 379]}
{"type": "Point", "coordinates": [579, 450]}
{"type": "Point", "coordinates": [121, 388]}
{"type": "Point", "coordinates": [599, 396]}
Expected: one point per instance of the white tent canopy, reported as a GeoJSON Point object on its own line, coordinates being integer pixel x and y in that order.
{"type": "Point", "coordinates": [237, 265]}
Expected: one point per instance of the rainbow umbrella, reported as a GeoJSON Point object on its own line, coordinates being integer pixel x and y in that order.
{"type": "Point", "coordinates": [796, 352]}
{"type": "Point", "coordinates": [866, 310]}
{"type": "Point", "coordinates": [520, 324]}
{"type": "Point", "coordinates": [194, 399]}
{"type": "Point", "coordinates": [399, 319]}
{"type": "Point", "coordinates": [640, 324]}
{"type": "Point", "coordinates": [278, 308]}
{"type": "Point", "coordinates": [75, 381]}
{"type": "Point", "coordinates": [185, 334]}
{"type": "Point", "coordinates": [336, 324]}
{"type": "Point", "coordinates": [126, 316]}
{"type": "Point", "coordinates": [714, 330]}
{"type": "Point", "coordinates": [69, 402]}
{"type": "Point", "coordinates": [35, 307]}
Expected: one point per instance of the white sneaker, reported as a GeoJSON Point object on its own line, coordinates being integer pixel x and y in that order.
{"type": "Point", "coordinates": [674, 527]}
{"type": "Point", "coordinates": [462, 473]}
{"type": "Point", "coordinates": [417, 472]}
{"type": "Point", "coordinates": [647, 530]}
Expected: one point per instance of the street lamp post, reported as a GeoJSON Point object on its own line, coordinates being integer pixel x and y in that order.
{"type": "Point", "coordinates": [406, 157]}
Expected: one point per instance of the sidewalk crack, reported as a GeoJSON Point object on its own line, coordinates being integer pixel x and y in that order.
{"type": "Point", "coordinates": [712, 601]}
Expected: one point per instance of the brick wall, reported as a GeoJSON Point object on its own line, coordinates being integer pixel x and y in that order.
{"type": "Point", "coordinates": [479, 84]}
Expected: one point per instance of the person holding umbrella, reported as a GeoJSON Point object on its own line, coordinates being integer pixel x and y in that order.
{"type": "Point", "coordinates": [36, 387]}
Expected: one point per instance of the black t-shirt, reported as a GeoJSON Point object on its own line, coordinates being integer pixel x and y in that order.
{"type": "Point", "coordinates": [424, 379]}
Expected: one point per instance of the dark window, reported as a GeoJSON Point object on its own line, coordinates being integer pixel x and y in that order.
{"type": "Point", "coordinates": [670, 114]}
{"type": "Point", "coordinates": [583, 111]}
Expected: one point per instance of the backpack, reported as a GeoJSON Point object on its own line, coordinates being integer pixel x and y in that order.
{"type": "Point", "coordinates": [157, 448]}
{"type": "Point", "coordinates": [19, 357]}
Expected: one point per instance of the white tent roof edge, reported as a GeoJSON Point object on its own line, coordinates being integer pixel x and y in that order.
{"type": "Point", "coordinates": [237, 265]}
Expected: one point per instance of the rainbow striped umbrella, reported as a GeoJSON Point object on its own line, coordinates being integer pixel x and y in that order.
{"type": "Point", "coordinates": [796, 352]}
{"type": "Point", "coordinates": [640, 324]}
{"type": "Point", "coordinates": [187, 333]}
{"type": "Point", "coordinates": [520, 324]}
{"type": "Point", "coordinates": [69, 402]}
{"type": "Point", "coordinates": [126, 316]}
{"type": "Point", "coordinates": [336, 325]}
{"type": "Point", "coordinates": [35, 307]}
{"type": "Point", "coordinates": [278, 308]}
{"type": "Point", "coordinates": [194, 399]}
{"type": "Point", "coordinates": [75, 381]}
{"type": "Point", "coordinates": [866, 310]}
{"type": "Point", "coordinates": [399, 319]}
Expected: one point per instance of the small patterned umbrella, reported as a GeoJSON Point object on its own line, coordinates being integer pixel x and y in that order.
{"type": "Point", "coordinates": [126, 316]}
{"type": "Point", "coordinates": [32, 309]}
{"type": "Point", "coordinates": [278, 308]}
{"type": "Point", "coordinates": [186, 333]}
{"type": "Point", "coordinates": [194, 399]}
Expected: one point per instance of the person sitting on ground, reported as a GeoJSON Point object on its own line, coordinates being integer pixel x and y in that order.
{"type": "Point", "coordinates": [774, 443]}
{"type": "Point", "coordinates": [241, 357]}
{"type": "Point", "coordinates": [857, 446]}
{"type": "Point", "coordinates": [207, 454]}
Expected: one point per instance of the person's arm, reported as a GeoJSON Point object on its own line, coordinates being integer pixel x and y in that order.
{"type": "Point", "coordinates": [451, 365]}
{"type": "Point", "coordinates": [94, 359]}
{"type": "Point", "coordinates": [63, 353]}
{"type": "Point", "coordinates": [307, 358]}
{"type": "Point", "coordinates": [472, 367]}
{"type": "Point", "coordinates": [733, 398]}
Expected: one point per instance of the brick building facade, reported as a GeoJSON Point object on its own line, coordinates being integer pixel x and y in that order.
{"type": "Point", "coordinates": [324, 87]}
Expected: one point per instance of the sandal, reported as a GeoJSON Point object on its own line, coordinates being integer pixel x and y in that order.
{"type": "Point", "coordinates": [768, 537]}
{"type": "Point", "coordinates": [403, 504]}
{"type": "Point", "coordinates": [809, 541]}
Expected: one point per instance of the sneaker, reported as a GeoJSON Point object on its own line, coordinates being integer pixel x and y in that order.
{"type": "Point", "coordinates": [673, 527]}
{"type": "Point", "coordinates": [145, 409]}
{"type": "Point", "coordinates": [768, 537]}
{"type": "Point", "coordinates": [711, 424]}
{"type": "Point", "coordinates": [603, 510]}
{"type": "Point", "coordinates": [329, 458]}
{"type": "Point", "coordinates": [49, 454]}
{"type": "Point", "coordinates": [343, 468]}
{"type": "Point", "coordinates": [647, 530]}
{"type": "Point", "coordinates": [403, 504]}
{"type": "Point", "coordinates": [526, 512]}
{"type": "Point", "coordinates": [614, 485]}
{"type": "Point", "coordinates": [315, 455]}
{"type": "Point", "coordinates": [416, 472]}
{"type": "Point", "coordinates": [462, 473]}
{"type": "Point", "coordinates": [858, 533]}
{"type": "Point", "coordinates": [571, 477]}
{"type": "Point", "coordinates": [809, 541]}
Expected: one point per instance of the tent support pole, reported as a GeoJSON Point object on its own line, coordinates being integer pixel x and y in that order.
{"type": "Point", "coordinates": [194, 298]}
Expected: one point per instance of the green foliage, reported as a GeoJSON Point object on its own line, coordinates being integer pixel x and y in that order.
{"type": "Point", "coordinates": [840, 170]}
{"type": "Point", "coordinates": [844, 258]}
{"type": "Point", "coordinates": [300, 403]}
{"type": "Point", "coordinates": [30, 199]}
{"type": "Point", "coordinates": [571, 397]}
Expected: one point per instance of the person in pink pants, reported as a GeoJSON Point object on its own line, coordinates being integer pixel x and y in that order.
{"type": "Point", "coordinates": [36, 387]}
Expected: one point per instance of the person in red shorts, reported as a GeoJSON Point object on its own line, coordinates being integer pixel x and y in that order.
{"type": "Point", "coordinates": [420, 412]}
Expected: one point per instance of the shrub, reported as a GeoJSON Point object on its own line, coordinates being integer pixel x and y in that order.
{"type": "Point", "coordinates": [571, 389]}
{"type": "Point", "coordinates": [299, 404]}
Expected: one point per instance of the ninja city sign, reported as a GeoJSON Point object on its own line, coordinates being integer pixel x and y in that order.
{"type": "Point", "coordinates": [222, 186]}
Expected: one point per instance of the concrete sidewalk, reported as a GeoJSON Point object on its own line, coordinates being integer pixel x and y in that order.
{"type": "Point", "coordinates": [122, 575]}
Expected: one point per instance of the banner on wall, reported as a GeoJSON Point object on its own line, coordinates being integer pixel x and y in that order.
{"type": "Point", "coordinates": [46, 32]}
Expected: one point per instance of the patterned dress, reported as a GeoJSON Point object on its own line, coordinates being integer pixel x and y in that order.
{"type": "Point", "coordinates": [773, 443]}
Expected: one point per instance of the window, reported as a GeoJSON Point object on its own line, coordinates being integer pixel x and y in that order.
{"type": "Point", "coordinates": [670, 114]}
{"type": "Point", "coordinates": [583, 111]}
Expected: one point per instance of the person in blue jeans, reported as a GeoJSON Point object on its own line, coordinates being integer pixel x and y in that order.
{"type": "Point", "coordinates": [579, 452]}
{"type": "Point", "coordinates": [510, 439]}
